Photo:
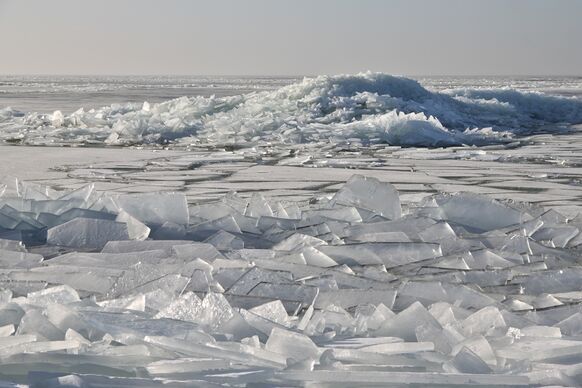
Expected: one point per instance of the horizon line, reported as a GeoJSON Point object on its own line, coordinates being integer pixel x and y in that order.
{"type": "Point", "coordinates": [278, 75]}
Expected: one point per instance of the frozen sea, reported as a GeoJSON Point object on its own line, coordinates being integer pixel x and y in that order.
{"type": "Point", "coordinates": [355, 230]}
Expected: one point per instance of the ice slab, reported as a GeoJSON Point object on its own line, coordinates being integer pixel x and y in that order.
{"type": "Point", "coordinates": [59, 295]}
{"type": "Point", "coordinates": [389, 254]}
{"type": "Point", "coordinates": [140, 246]}
{"type": "Point", "coordinates": [347, 298]}
{"type": "Point", "coordinates": [87, 233]}
{"type": "Point", "coordinates": [136, 230]}
{"type": "Point", "coordinates": [155, 208]}
{"type": "Point", "coordinates": [478, 212]}
{"type": "Point", "coordinates": [295, 346]}
{"type": "Point", "coordinates": [370, 194]}
{"type": "Point", "coordinates": [404, 324]}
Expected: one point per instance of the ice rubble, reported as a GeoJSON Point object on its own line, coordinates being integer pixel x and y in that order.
{"type": "Point", "coordinates": [144, 290]}
{"type": "Point", "coordinates": [370, 107]}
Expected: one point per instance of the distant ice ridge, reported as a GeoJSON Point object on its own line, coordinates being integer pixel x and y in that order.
{"type": "Point", "coordinates": [348, 290]}
{"type": "Point", "coordinates": [369, 107]}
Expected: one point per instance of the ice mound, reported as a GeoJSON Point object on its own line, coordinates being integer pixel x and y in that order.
{"type": "Point", "coordinates": [353, 289]}
{"type": "Point", "coordinates": [369, 107]}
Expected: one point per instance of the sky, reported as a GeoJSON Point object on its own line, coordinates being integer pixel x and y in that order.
{"type": "Point", "coordinates": [291, 37]}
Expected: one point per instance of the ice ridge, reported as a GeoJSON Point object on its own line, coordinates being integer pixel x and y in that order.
{"type": "Point", "coordinates": [370, 107]}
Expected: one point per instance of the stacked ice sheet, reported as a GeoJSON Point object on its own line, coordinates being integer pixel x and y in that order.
{"type": "Point", "coordinates": [348, 290]}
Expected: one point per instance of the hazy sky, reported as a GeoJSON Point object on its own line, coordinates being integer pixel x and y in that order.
{"type": "Point", "coordinates": [291, 37]}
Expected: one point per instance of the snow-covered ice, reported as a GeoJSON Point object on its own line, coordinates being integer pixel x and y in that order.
{"type": "Point", "coordinates": [357, 287]}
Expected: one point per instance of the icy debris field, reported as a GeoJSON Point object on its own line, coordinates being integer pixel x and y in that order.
{"type": "Point", "coordinates": [352, 288]}
{"type": "Point", "coordinates": [372, 108]}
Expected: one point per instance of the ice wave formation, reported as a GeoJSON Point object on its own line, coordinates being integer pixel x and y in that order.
{"type": "Point", "coordinates": [367, 107]}
{"type": "Point", "coordinates": [352, 289]}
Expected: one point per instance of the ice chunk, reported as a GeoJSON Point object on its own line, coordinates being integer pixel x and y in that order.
{"type": "Point", "coordinates": [136, 230]}
{"type": "Point", "coordinates": [169, 231]}
{"type": "Point", "coordinates": [213, 311]}
{"type": "Point", "coordinates": [34, 322]}
{"type": "Point", "coordinates": [10, 314]}
{"type": "Point", "coordinates": [59, 294]}
{"type": "Point", "coordinates": [559, 235]}
{"type": "Point", "coordinates": [352, 378]}
{"type": "Point", "coordinates": [6, 330]}
{"type": "Point", "coordinates": [167, 368]}
{"type": "Point", "coordinates": [398, 347]}
{"type": "Point", "coordinates": [466, 361]}
{"type": "Point", "coordinates": [225, 241]}
{"type": "Point", "coordinates": [259, 325]}
{"type": "Point", "coordinates": [478, 212]}
{"type": "Point", "coordinates": [483, 321]}
{"type": "Point", "coordinates": [345, 214]}
{"type": "Point", "coordinates": [370, 194]}
{"type": "Point", "coordinates": [286, 292]}
{"type": "Point", "coordinates": [317, 258]}
{"type": "Point", "coordinates": [273, 311]}
{"type": "Point", "coordinates": [541, 331]}
{"type": "Point", "coordinates": [348, 298]}
{"type": "Point", "coordinates": [196, 250]}
{"type": "Point", "coordinates": [485, 258]}
{"type": "Point", "coordinates": [39, 347]}
{"type": "Point", "coordinates": [83, 193]}
{"type": "Point", "coordinates": [258, 206]}
{"type": "Point", "coordinates": [206, 229]}
{"type": "Point", "coordinates": [571, 325]}
{"type": "Point", "coordinates": [11, 245]}
{"type": "Point", "coordinates": [141, 246]}
{"type": "Point", "coordinates": [389, 254]}
{"type": "Point", "coordinates": [553, 281]}
{"type": "Point", "coordinates": [155, 209]}
{"type": "Point", "coordinates": [143, 277]}
{"type": "Point", "coordinates": [184, 308]}
{"type": "Point", "coordinates": [297, 242]}
{"type": "Point", "coordinates": [137, 302]}
{"type": "Point", "coordinates": [247, 280]}
{"type": "Point", "coordinates": [14, 259]}
{"type": "Point", "coordinates": [534, 349]}
{"type": "Point", "coordinates": [87, 233]}
{"type": "Point", "coordinates": [404, 324]}
{"type": "Point", "coordinates": [8, 343]}
{"type": "Point", "coordinates": [292, 345]}
{"type": "Point", "coordinates": [480, 346]}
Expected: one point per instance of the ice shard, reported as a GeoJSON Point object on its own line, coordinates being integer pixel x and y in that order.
{"type": "Point", "coordinates": [370, 194]}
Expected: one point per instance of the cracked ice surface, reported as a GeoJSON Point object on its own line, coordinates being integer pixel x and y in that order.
{"type": "Point", "coordinates": [348, 289]}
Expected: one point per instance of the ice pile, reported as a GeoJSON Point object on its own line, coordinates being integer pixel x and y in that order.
{"type": "Point", "coordinates": [354, 289]}
{"type": "Point", "coordinates": [369, 107]}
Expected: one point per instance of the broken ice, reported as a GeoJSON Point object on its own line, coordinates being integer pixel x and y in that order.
{"type": "Point", "coordinates": [353, 289]}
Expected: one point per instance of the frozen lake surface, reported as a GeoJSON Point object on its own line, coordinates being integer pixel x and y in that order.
{"type": "Point", "coordinates": [339, 261]}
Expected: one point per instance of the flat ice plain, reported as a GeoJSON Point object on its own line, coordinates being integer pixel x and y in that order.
{"type": "Point", "coordinates": [339, 261]}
